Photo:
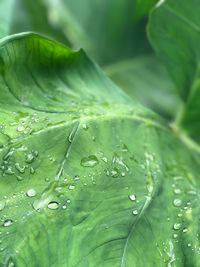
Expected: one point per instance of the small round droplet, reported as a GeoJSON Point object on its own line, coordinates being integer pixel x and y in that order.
{"type": "Point", "coordinates": [20, 128]}
{"type": "Point", "coordinates": [31, 193]}
{"type": "Point", "coordinates": [89, 161]}
{"type": "Point", "coordinates": [177, 191]}
{"type": "Point", "coordinates": [53, 205]}
{"type": "Point", "coordinates": [175, 236]}
{"type": "Point", "coordinates": [177, 226]}
{"type": "Point", "coordinates": [29, 158]}
{"type": "Point", "coordinates": [8, 222]}
{"type": "Point", "coordinates": [185, 230]}
{"type": "Point", "coordinates": [177, 202]}
{"type": "Point", "coordinates": [135, 212]}
{"type": "Point", "coordinates": [132, 197]}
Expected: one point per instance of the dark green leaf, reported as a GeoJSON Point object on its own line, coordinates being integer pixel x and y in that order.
{"type": "Point", "coordinates": [175, 34]}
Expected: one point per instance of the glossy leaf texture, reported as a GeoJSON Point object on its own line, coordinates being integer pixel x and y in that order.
{"type": "Point", "coordinates": [174, 32]}
{"type": "Point", "coordinates": [88, 177]}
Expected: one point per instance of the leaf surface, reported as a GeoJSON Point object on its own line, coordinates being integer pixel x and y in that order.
{"type": "Point", "coordinates": [88, 176]}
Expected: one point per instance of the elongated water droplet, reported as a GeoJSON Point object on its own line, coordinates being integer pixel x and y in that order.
{"type": "Point", "coordinates": [8, 222]}
{"type": "Point", "coordinates": [2, 205]}
{"type": "Point", "coordinates": [89, 161]}
{"type": "Point", "coordinates": [53, 205]}
{"type": "Point", "coordinates": [71, 187]}
{"type": "Point", "coordinates": [132, 197]}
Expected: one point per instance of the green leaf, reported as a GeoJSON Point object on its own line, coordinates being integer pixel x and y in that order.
{"type": "Point", "coordinates": [146, 80]}
{"type": "Point", "coordinates": [88, 177]}
{"type": "Point", "coordinates": [32, 16]}
{"type": "Point", "coordinates": [107, 30]}
{"type": "Point", "coordinates": [6, 12]}
{"type": "Point", "coordinates": [174, 32]}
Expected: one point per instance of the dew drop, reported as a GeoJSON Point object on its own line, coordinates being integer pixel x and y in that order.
{"type": "Point", "coordinates": [2, 205]}
{"type": "Point", "coordinates": [8, 222]}
{"type": "Point", "coordinates": [132, 197]}
{"type": "Point", "coordinates": [177, 191]}
{"type": "Point", "coordinates": [89, 161]}
{"type": "Point", "coordinates": [84, 126]}
{"type": "Point", "coordinates": [20, 128]}
{"type": "Point", "coordinates": [177, 202]}
{"type": "Point", "coordinates": [175, 235]}
{"type": "Point", "coordinates": [135, 212]}
{"type": "Point", "coordinates": [71, 187]}
{"type": "Point", "coordinates": [53, 205]}
{"type": "Point", "coordinates": [177, 226]}
{"type": "Point", "coordinates": [29, 158]}
{"type": "Point", "coordinates": [185, 230]}
{"type": "Point", "coordinates": [31, 193]}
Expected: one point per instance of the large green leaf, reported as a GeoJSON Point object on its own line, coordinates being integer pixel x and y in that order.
{"type": "Point", "coordinates": [175, 35]}
{"type": "Point", "coordinates": [107, 30]}
{"type": "Point", "coordinates": [145, 79]}
{"type": "Point", "coordinates": [88, 177]}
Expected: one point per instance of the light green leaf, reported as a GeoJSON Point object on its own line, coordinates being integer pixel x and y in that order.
{"type": "Point", "coordinates": [146, 80]}
{"type": "Point", "coordinates": [6, 12]}
{"type": "Point", "coordinates": [108, 30]}
{"type": "Point", "coordinates": [88, 177]}
{"type": "Point", "coordinates": [174, 32]}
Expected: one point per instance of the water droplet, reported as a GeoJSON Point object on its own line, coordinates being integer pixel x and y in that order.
{"type": "Point", "coordinates": [76, 178]}
{"type": "Point", "coordinates": [189, 245]}
{"type": "Point", "coordinates": [8, 222]}
{"type": "Point", "coordinates": [64, 207]}
{"type": "Point", "coordinates": [177, 226]}
{"type": "Point", "coordinates": [175, 235]}
{"type": "Point", "coordinates": [32, 171]}
{"type": "Point", "coordinates": [135, 212]}
{"type": "Point", "coordinates": [89, 161]}
{"type": "Point", "coordinates": [29, 158]}
{"type": "Point", "coordinates": [20, 128]}
{"type": "Point", "coordinates": [132, 197]}
{"type": "Point", "coordinates": [53, 205]}
{"type": "Point", "coordinates": [185, 230]}
{"type": "Point", "coordinates": [177, 191]}
{"type": "Point", "coordinates": [21, 169]}
{"type": "Point", "coordinates": [71, 187]}
{"type": "Point", "coordinates": [31, 193]}
{"type": "Point", "coordinates": [105, 159]}
{"type": "Point", "coordinates": [84, 126]}
{"type": "Point", "coordinates": [68, 201]}
{"type": "Point", "coordinates": [2, 205]}
{"type": "Point", "coordinates": [115, 173]}
{"type": "Point", "coordinates": [177, 202]}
